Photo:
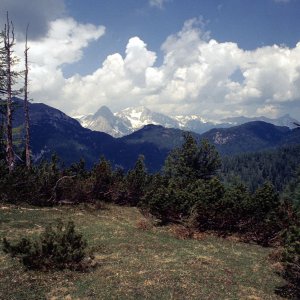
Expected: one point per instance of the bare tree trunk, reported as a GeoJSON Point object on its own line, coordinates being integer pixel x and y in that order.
{"type": "Point", "coordinates": [8, 43]}
{"type": "Point", "coordinates": [26, 108]}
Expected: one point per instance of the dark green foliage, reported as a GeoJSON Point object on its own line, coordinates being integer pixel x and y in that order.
{"type": "Point", "coordinates": [265, 200]}
{"type": "Point", "coordinates": [136, 181]}
{"type": "Point", "coordinates": [167, 202]}
{"type": "Point", "coordinates": [192, 161]}
{"type": "Point", "coordinates": [291, 259]}
{"type": "Point", "coordinates": [264, 208]}
{"type": "Point", "coordinates": [47, 175]}
{"type": "Point", "coordinates": [209, 205]}
{"type": "Point", "coordinates": [19, 185]}
{"type": "Point", "coordinates": [232, 209]}
{"type": "Point", "coordinates": [43, 184]}
{"type": "Point", "coordinates": [58, 247]}
{"type": "Point", "coordinates": [277, 166]}
{"type": "Point", "coordinates": [207, 194]}
{"type": "Point", "coordinates": [114, 186]}
{"type": "Point", "coordinates": [189, 192]}
{"type": "Point", "coordinates": [292, 190]}
{"type": "Point", "coordinates": [78, 169]}
{"type": "Point", "coordinates": [102, 177]}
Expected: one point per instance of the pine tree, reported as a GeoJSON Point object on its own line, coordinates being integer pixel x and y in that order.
{"type": "Point", "coordinates": [102, 177]}
{"type": "Point", "coordinates": [136, 181]}
{"type": "Point", "coordinates": [291, 259]}
{"type": "Point", "coordinates": [192, 161]}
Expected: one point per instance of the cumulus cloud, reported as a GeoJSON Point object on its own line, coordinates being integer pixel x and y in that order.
{"type": "Point", "coordinates": [63, 44]}
{"type": "Point", "coordinates": [269, 110]}
{"type": "Point", "coordinates": [198, 74]}
{"type": "Point", "coordinates": [138, 59]}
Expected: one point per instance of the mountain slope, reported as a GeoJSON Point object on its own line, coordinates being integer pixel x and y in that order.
{"type": "Point", "coordinates": [134, 118]}
{"type": "Point", "coordinates": [141, 116]}
{"type": "Point", "coordinates": [246, 138]}
{"type": "Point", "coordinates": [105, 121]}
{"type": "Point", "coordinates": [251, 137]}
{"type": "Point", "coordinates": [54, 132]}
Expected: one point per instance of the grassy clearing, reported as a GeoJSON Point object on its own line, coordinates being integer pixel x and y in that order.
{"type": "Point", "coordinates": [136, 263]}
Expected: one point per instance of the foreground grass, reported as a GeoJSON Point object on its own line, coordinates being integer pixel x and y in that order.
{"type": "Point", "coordinates": [135, 263]}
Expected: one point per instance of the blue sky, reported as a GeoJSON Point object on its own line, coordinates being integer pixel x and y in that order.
{"type": "Point", "coordinates": [210, 57]}
{"type": "Point", "coordinates": [249, 23]}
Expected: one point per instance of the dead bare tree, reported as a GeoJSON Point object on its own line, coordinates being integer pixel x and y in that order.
{"type": "Point", "coordinates": [26, 107]}
{"type": "Point", "coordinates": [9, 41]}
{"type": "Point", "coordinates": [2, 98]}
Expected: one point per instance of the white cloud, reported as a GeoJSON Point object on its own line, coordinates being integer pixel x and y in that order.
{"type": "Point", "coordinates": [63, 44]}
{"type": "Point", "coordinates": [269, 110]}
{"type": "Point", "coordinates": [198, 74]}
{"type": "Point", "coordinates": [158, 3]}
{"type": "Point", "coordinates": [138, 60]}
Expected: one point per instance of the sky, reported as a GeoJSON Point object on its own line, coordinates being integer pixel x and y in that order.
{"type": "Point", "coordinates": [214, 58]}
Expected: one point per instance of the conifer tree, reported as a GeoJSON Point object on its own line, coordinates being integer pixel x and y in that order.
{"type": "Point", "coordinates": [136, 181]}
{"type": "Point", "coordinates": [193, 161]}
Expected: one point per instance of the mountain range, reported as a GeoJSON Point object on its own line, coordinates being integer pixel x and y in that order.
{"type": "Point", "coordinates": [52, 131]}
{"type": "Point", "coordinates": [134, 118]}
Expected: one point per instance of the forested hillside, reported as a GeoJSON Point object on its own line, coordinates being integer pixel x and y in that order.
{"type": "Point", "coordinates": [278, 166]}
{"type": "Point", "coordinates": [52, 131]}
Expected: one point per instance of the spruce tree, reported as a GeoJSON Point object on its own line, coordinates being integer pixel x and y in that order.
{"type": "Point", "coordinates": [136, 181]}
{"type": "Point", "coordinates": [192, 161]}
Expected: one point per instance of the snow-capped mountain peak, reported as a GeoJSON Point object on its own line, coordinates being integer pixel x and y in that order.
{"type": "Point", "coordinates": [137, 116]}
{"type": "Point", "coordinates": [131, 119]}
{"type": "Point", "coordinates": [141, 116]}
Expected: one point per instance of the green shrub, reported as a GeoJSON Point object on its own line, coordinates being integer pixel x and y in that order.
{"type": "Point", "coordinates": [291, 259]}
{"type": "Point", "coordinates": [58, 247]}
{"type": "Point", "coordinates": [102, 178]}
{"type": "Point", "coordinates": [136, 181]}
{"type": "Point", "coordinates": [192, 161]}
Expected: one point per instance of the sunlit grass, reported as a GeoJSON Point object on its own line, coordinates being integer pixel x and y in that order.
{"type": "Point", "coordinates": [136, 263]}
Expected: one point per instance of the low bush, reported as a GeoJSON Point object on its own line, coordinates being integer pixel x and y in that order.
{"type": "Point", "coordinates": [58, 247]}
{"type": "Point", "coordinates": [291, 259]}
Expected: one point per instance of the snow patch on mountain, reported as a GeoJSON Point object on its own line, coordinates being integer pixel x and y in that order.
{"type": "Point", "coordinates": [134, 118]}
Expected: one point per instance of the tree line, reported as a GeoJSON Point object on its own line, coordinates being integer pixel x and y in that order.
{"type": "Point", "coordinates": [189, 191]}
{"type": "Point", "coordinates": [278, 166]}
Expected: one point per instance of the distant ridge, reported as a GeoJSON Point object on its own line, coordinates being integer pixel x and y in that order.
{"type": "Point", "coordinates": [52, 131]}
{"type": "Point", "coordinates": [134, 118]}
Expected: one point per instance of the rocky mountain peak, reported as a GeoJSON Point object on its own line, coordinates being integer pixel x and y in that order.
{"type": "Point", "coordinates": [131, 119]}
{"type": "Point", "coordinates": [104, 112]}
